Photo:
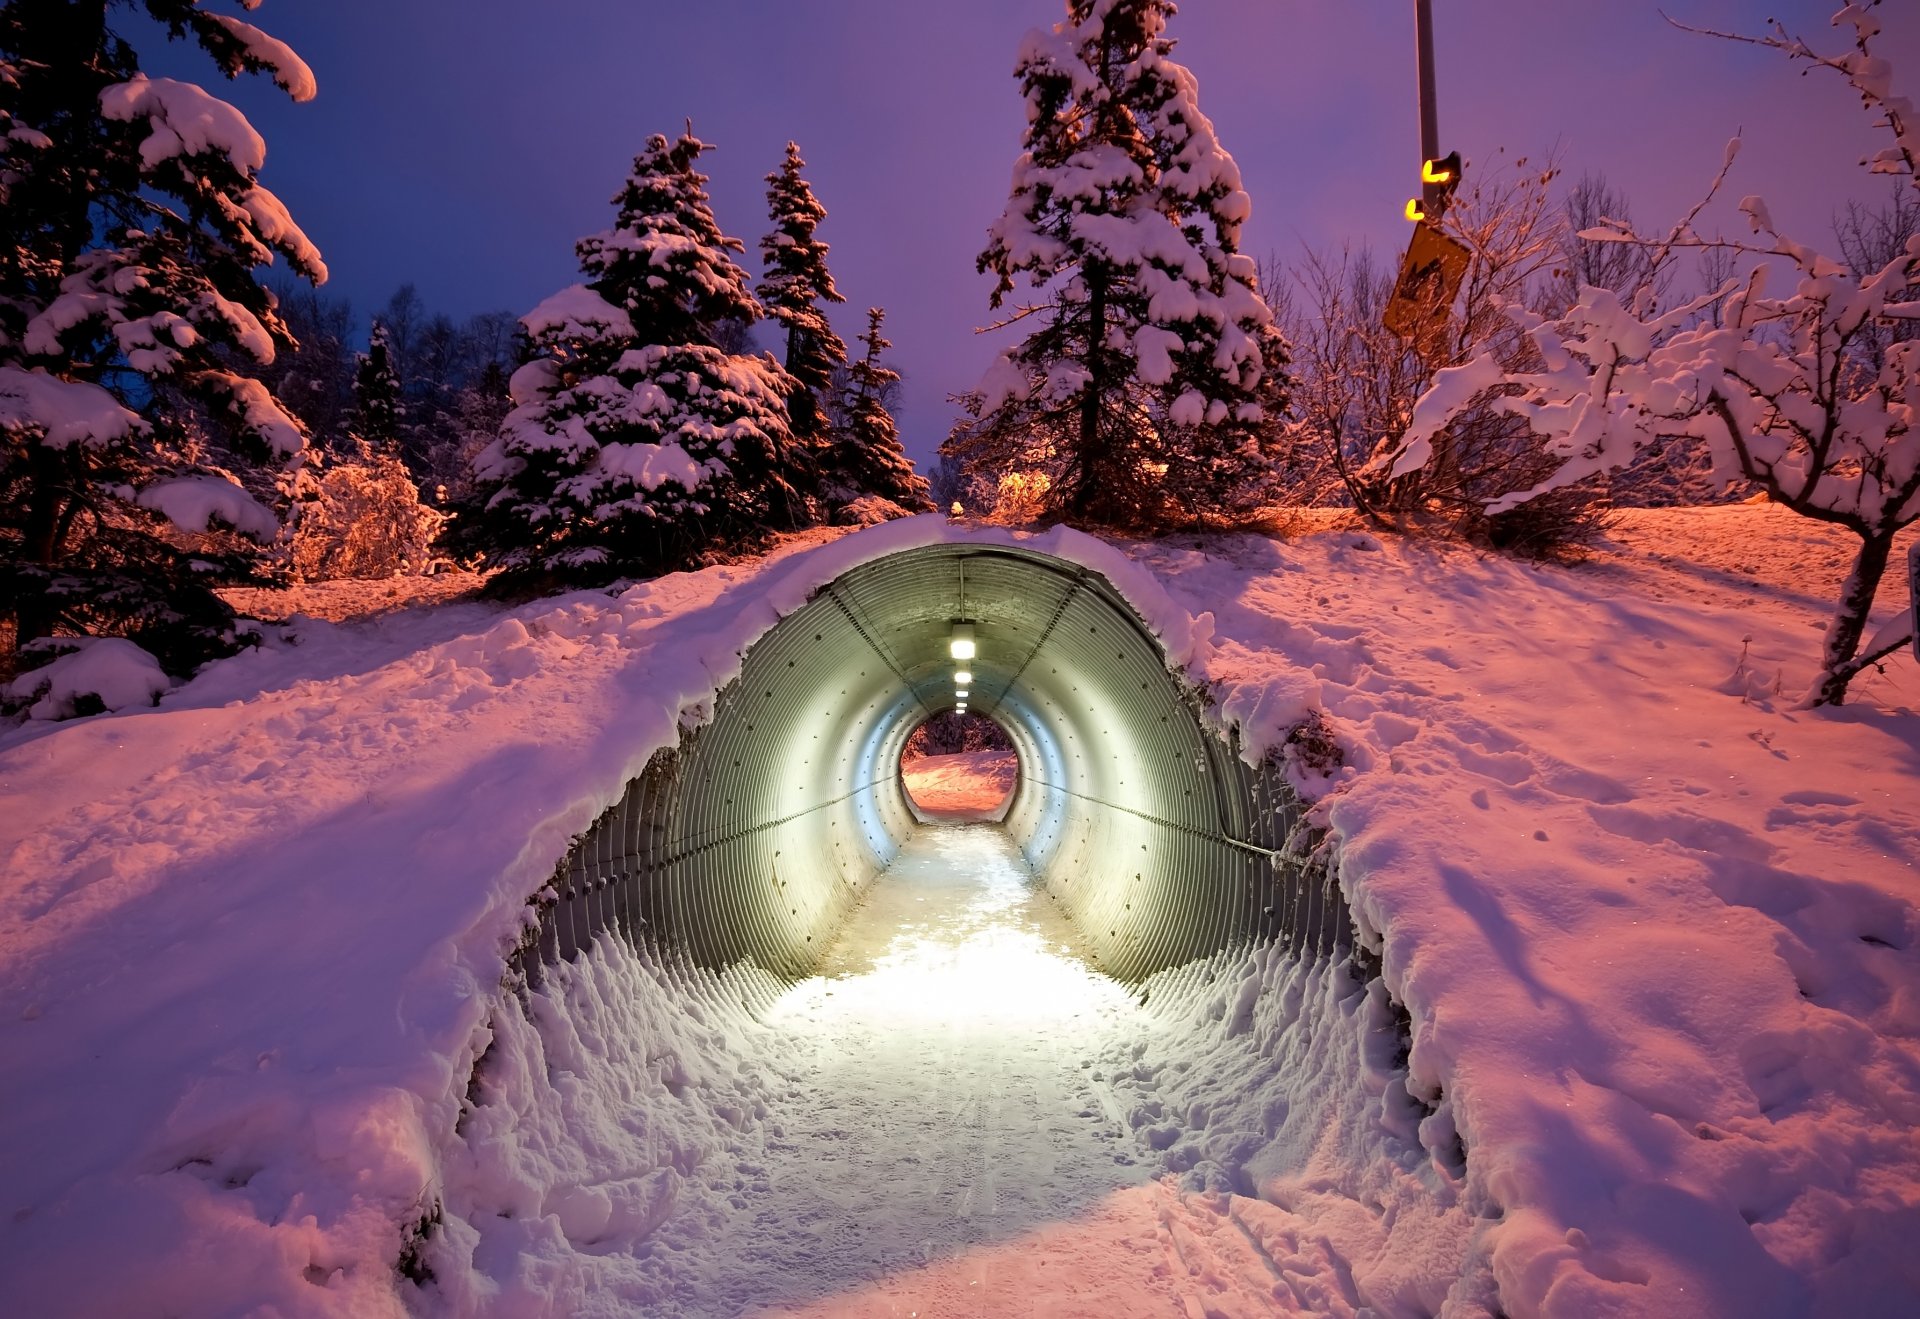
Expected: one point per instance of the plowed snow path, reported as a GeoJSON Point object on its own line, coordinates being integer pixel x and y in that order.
{"type": "Point", "coordinates": [954, 1151]}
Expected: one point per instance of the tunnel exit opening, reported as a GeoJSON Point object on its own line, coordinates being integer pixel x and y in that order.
{"type": "Point", "coordinates": [958, 767]}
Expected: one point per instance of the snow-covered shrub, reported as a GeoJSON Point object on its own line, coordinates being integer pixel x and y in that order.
{"type": "Point", "coordinates": [364, 519]}
{"type": "Point", "coordinates": [868, 510]}
{"type": "Point", "coordinates": [1356, 382]}
{"type": "Point", "coordinates": [86, 675]}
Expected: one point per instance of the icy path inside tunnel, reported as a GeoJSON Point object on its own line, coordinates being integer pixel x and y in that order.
{"type": "Point", "coordinates": [954, 1149]}
{"type": "Point", "coordinates": [957, 1117]}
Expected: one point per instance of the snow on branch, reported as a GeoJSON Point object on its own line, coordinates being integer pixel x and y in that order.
{"type": "Point", "coordinates": [1867, 73]}
{"type": "Point", "coordinates": [259, 412]}
{"type": "Point", "coordinates": [185, 121]}
{"type": "Point", "coordinates": [111, 670]}
{"type": "Point", "coordinates": [578, 312]}
{"type": "Point", "coordinates": [199, 503]}
{"type": "Point", "coordinates": [276, 57]}
{"type": "Point", "coordinates": [66, 412]}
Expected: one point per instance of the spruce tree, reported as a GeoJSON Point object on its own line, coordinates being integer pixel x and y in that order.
{"type": "Point", "coordinates": [795, 284]}
{"type": "Point", "coordinates": [867, 459]}
{"type": "Point", "coordinates": [1139, 397]}
{"type": "Point", "coordinates": [377, 408]}
{"type": "Point", "coordinates": [636, 445]}
{"type": "Point", "coordinates": [132, 222]}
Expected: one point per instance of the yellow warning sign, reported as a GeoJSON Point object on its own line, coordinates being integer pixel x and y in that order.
{"type": "Point", "coordinates": [1429, 280]}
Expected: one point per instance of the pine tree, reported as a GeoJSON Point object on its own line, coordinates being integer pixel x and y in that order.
{"type": "Point", "coordinates": [796, 283]}
{"type": "Point", "coordinates": [866, 459]}
{"type": "Point", "coordinates": [377, 409]}
{"type": "Point", "coordinates": [1149, 369]}
{"type": "Point", "coordinates": [132, 222]}
{"type": "Point", "coordinates": [636, 445]}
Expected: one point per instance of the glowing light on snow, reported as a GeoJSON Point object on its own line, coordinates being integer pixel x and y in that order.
{"type": "Point", "coordinates": [961, 644]}
{"type": "Point", "coordinates": [954, 949]}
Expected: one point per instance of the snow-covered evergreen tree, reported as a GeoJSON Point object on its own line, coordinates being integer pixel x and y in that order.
{"type": "Point", "coordinates": [132, 222]}
{"type": "Point", "coordinates": [377, 409]}
{"type": "Point", "coordinates": [635, 444]}
{"type": "Point", "coordinates": [866, 462]}
{"type": "Point", "coordinates": [1150, 356]}
{"type": "Point", "coordinates": [793, 288]}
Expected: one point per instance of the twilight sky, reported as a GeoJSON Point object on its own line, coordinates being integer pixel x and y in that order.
{"type": "Point", "coordinates": [464, 147]}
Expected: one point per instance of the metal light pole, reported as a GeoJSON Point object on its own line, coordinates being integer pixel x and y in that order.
{"type": "Point", "coordinates": [1435, 262]}
{"type": "Point", "coordinates": [1429, 99]}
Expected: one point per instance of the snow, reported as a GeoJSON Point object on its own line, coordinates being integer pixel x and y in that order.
{"type": "Point", "coordinates": [110, 670]}
{"type": "Point", "coordinates": [965, 785]}
{"type": "Point", "coordinates": [288, 69]}
{"type": "Point", "coordinates": [276, 227]}
{"type": "Point", "coordinates": [66, 412]}
{"type": "Point", "coordinates": [260, 412]}
{"type": "Point", "coordinates": [185, 121]}
{"type": "Point", "coordinates": [198, 503]}
{"type": "Point", "coordinates": [1656, 933]}
{"type": "Point", "coordinates": [577, 312]}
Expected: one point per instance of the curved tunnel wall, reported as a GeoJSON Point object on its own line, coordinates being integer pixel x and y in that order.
{"type": "Point", "coordinates": [754, 836]}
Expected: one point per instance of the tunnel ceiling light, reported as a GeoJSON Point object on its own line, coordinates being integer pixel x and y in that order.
{"type": "Point", "coordinates": [961, 644]}
{"type": "Point", "coordinates": [962, 677]}
{"type": "Point", "coordinates": [962, 693]}
{"type": "Point", "coordinates": [961, 706]}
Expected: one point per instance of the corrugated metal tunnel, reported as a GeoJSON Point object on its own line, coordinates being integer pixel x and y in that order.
{"type": "Point", "coordinates": [753, 838]}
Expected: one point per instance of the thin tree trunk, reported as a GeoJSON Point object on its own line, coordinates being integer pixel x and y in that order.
{"type": "Point", "coordinates": [46, 505]}
{"type": "Point", "coordinates": [1850, 621]}
{"type": "Point", "coordinates": [1092, 462]}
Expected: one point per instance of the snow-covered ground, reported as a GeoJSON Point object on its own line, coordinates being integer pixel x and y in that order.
{"type": "Point", "coordinates": [966, 785]}
{"type": "Point", "coordinates": [1656, 929]}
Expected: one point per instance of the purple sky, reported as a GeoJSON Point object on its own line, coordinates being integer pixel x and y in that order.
{"type": "Point", "coordinates": [465, 147]}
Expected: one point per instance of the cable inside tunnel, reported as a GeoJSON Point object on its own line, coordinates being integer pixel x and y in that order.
{"type": "Point", "coordinates": [756, 835]}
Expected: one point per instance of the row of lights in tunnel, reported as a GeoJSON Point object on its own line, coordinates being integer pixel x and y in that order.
{"type": "Point", "coordinates": [961, 647]}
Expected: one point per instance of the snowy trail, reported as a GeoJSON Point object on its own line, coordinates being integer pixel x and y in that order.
{"type": "Point", "coordinates": [951, 1151]}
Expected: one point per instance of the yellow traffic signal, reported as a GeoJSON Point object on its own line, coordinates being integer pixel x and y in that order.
{"type": "Point", "coordinates": [1438, 178]}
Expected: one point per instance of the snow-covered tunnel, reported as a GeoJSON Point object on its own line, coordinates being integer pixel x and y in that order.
{"type": "Point", "coordinates": [753, 837]}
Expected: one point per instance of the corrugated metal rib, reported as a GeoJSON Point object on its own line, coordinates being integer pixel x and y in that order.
{"type": "Point", "coordinates": [752, 838]}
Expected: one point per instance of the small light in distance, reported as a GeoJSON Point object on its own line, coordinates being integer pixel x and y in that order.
{"type": "Point", "coordinates": [961, 694]}
{"type": "Point", "coordinates": [962, 677]}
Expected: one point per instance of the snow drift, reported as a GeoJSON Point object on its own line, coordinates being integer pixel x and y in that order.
{"type": "Point", "coordinates": [1655, 932]}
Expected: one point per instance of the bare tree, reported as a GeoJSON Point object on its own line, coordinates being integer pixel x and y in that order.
{"type": "Point", "coordinates": [1355, 382]}
{"type": "Point", "coordinates": [1812, 394]}
{"type": "Point", "coordinates": [1583, 263]}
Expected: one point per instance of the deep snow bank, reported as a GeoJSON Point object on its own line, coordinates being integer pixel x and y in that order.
{"type": "Point", "coordinates": [1657, 931]}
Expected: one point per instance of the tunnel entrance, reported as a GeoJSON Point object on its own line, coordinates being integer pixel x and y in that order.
{"type": "Point", "coordinates": [753, 837]}
{"type": "Point", "coordinates": [959, 766]}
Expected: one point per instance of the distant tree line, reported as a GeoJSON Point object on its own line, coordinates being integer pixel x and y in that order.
{"type": "Point", "coordinates": [171, 423]}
